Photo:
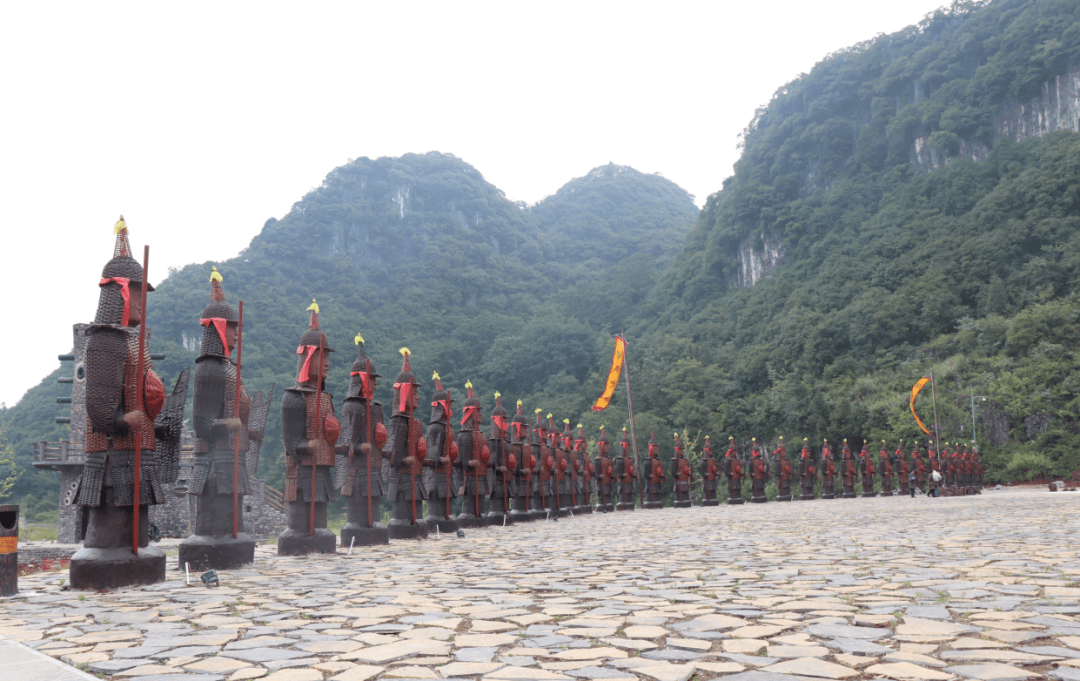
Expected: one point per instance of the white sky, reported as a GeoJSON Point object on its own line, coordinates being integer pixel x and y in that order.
{"type": "Point", "coordinates": [200, 120]}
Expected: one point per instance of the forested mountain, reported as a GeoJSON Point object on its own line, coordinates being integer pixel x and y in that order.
{"type": "Point", "coordinates": [895, 211]}
{"type": "Point", "coordinates": [420, 252]}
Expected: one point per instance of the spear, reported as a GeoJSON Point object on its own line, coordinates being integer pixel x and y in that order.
{"type": "Point", "coordinates": [236, 437]}
{"type": "Point", "coordinates": [141, 366]}
{"type": "Point", "coordinates": [318, 414]}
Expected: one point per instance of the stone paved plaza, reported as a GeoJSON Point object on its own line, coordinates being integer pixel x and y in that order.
{"type": "Point", "coordinates": [924, 589]}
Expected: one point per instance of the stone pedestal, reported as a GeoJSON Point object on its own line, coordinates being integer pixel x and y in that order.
{"type": "Point", "coordinates": [106, 560]}
{"type": "Point", "coordinates": [759, 500]}
{"type": "Point", "coordinates": [217, 553]}
{"type": "Point", "coordinates": [683, 503]}
{"type": "Point", "coordinates": [783, 497]}
{"type": "Point", "coordinates": [736, 500]}
{"type": "Point", "coordinates": [355, 535]}
{"type": "Point", "coordinates": [710, 502]}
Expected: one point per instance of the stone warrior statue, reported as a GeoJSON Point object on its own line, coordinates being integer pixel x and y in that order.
{"type": "Point", "coordinates": [310, 434]}
{"type": "Point", "coordinates": [807, 472]}
{"type": "Point", "coordinates": [408, 451]}
{"type": "Point", "coordinates": [902, 468]}
{"type": "Point", "coordinates": [573, 467]}
{"type": "Point", "coordinates": [362, 471]}
{"type": "Point", "coordinates": [682, 475]}
{"type": "Point", "coordinates": [867, 472]}
{"type": "Point", "coordinates": [505, 462]}
{"type": "Point", "coordinates": [624, 473]}
{"type": "Point", "coordinates": [217, 427]}
{"type": "Point", "coordinates": [920, 468]}
{"type": "Point", "coordinates": [783, 472]}
{"type": "Point", "coordinates": [563, 484]}
{"type": "Point", "coordinates": [653, 476]}
{"type": "Point", "coordinates": [886, 472]}
{"type": "Point", "coordinates": [442, 456]}
{"type": "Point", "coordinates": [828, 472]}
{"type": "Point", "coordinates": [759, 474]}
{"type": "Point", "coordinates": [113, 422]}
{"type": "Point", "coordinates": [605, 474]}
{"type": "Point", "coordinates": [545, 463]}
{"type": "Point", "coordinates": [947, 469]}
{"type": "Point", "coordinates": [734, 473]}
{"type": "Point", "coordinates": [709, 474]}
{"type": "Point", "coordinates": [522, 451]}
{"type": "Point", "coordinates": [581, 456]}
{"type": "Point", "coordinates": [847, 471]}
{"type": "Point", "coordinates": [473, 464]}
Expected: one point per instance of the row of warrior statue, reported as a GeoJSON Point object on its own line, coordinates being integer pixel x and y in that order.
{"type": "Point", "coordinates": [525, 469]}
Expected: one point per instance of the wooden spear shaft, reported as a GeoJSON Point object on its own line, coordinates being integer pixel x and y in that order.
{"type": "Point", "coordinates": [236, 436]}
{"type": "Point", "coordinates": [318, 414]}
{"type": "Point", "coordinates": [139, 405]}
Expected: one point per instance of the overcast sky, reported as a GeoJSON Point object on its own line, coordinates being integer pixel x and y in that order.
{"type": "Point", "coordinates": [200, 120]}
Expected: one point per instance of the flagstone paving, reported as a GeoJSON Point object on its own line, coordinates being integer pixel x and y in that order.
{"type": "Point", "coordinates": [984, 588]}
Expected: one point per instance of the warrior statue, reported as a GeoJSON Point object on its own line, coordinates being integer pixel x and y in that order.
{"type": "Point", "coordinates": [946, 467]}
{"type": "Point", "coordinates": [625, 474]}
{"type": "Point", "coordinates": [709, 474]}
{"type": "Point", "coordinates": [759, 473]}
{"type": "Point", "coordinates": [653, 476]}
{"type": "Point", "coordinates": [585, 477]}
{"type": "Point", "coordinates": [474, 464]}
{"type": "Point", "coordinates": [807, 473]}
{"type": "Point", "coordinates": [524, 482]}
{"type": "Point", "coordinates": [220, 420]}
{"type": "Point", "coordinates": [783, 472]}
{"type": "Point", "coordinates": [976, 472]}
{"type": "Point", "coordinates": [574, 468]}
{"type": "Point", "coordinates": [310, 434]}
{"type": "Point", "coordinates": [920, 468]}
{"type": "Point", "coordinates": [964, 468]}
{"type": "Point", "coordinates": [604, 468]}
{"type": "Point", "coordinates": [442, 455]}
{"type": "Point", "coordinates": [563, 482]}
{"type": "Point", "coordinates": [545, 463]}
{"type": "Point", "coordinates": [828, 472]}
{"type": "Point", "coordinates": [502, 492]}
{"type": "Point", "coordinates": [361, 472]}
{"type": "Point", "coordinates": [886, 472]}
{"type": "Point", "coordinates": [118, 417]}
{"type": "Point", "coordinates": [682, 475]}
{"type": "Point", "coordinates": [848, 471]}
{"type": "Point", "coordinates": [902, 469]}
{"type": "Point", "coordinates": [733, 472]}
{"type": "Point", "coordinates": [407, 449]}
{"type": "Point", "coordinates": [867, 465]}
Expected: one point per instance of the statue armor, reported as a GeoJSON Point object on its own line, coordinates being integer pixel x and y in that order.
{"type": "Point", "coordinates": [783, 472]}
{"type": "Point", "coordinates": [625, 474]}
{"type": "Point", "coordinates": [886, 472]}
{"type": "Point", "coordinates": [903, 469]}
{"type": "Point", "coordinates": [759, 474]}
{"type": "Point", "coordinates": [828, 472]}
{"type": "Point", "coordinates": [807, 473]}
{"type": "Point", "coordinates": [733, 471]}
{"type": "Point", "coordinates": [653, 476]}
{"type": "Point", "coordinates": [310, 449]}
{"type": "Point", "coordinates": [442, 458]}
{"type": "Point", "coordinates": [107, 483]}
{"type": "Point", "coordinates": [710, 473]}
{"type": "Point", "coordinates": [545, 464]}
{"type": "Point", "coordinates": [573, 468]}
{"type": "Point", "coordinates": [474, 464]}
{"type": "Point", "coordinates": [586, 471]}
{"type": "Point", "coordinates": [562, 471]}
{"type": "Point", "coordinates": [407, 450]}
{"type": "Point", "coordinates": [682, 475]}
{"type": "Point", "coordinates": [920, 468]}
{"type": "Point", "coordinates": [848, 471]}
{"type": "Point", "coordinates": [604, 469]}
{"type": "Point", "coordinates": [867, 472]}
{"type": "Point", "coordinates": [217, 445]}
{"type": "Point", "coordinates": [505, 464]}
{"type": "Point", "coordinates": [523, 475]}
{"type": "Point", "coordinates": [361, 471]}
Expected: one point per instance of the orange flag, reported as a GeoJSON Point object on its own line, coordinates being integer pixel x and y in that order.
{"type": "Point", "coordinates": [914, 392]}
{"type": "Point", "coordinates": [613, 375]}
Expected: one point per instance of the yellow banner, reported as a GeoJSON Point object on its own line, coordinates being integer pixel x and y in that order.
{"type": "Point", "coordinates": [613, 375]}
{"type": "Point", "coordinates": [914, 392]}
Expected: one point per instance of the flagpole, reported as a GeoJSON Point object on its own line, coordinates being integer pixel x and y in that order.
{"type": "Point", "coordinates": [937, 430]}
{"type": "Point", "coordinates": [630, 406]}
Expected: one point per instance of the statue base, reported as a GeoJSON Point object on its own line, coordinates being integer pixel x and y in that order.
{"type": "Point", "coordinates": [605, 508]}
{"type": "Point", "coordinates": [711, 502]}
{"type": "Point", "coordinates": [867, 495]}
{"type": "Point", "coordinates": [785, 497]}
{"type": "Point", "coordinates": [887, 493]}
{"type": "Point", "coordinates": [471, 521]}
{"type": "Point", "coordinates": [112, 568]}
{"type": "Point", "coordinates": [807, 497]}
{"type": "Point", "coordinates": [828, 496]}
{"type": "Point", "coordinates": [625, 506]}
{"type": "Point", "coordinates": [217, 553]}
{"type": "Point", "coordinates": [651, 505]}
{"type": "Point", "coordinates": [582, 510]}
{"type": "Point", "coordinates": [293, 543]}
{"type": "Point", "coordinates": [684, 503]}
{"type": "Point", "coordinates": [364, 536]}
{"type": "Point", "coordinates": [500, 519]}
{"type": "Point", "coordinates": [758, 500]}
{"type": "Point", "coordinates": [404, 529]}
{"type": "Point", "coordinates": [444, 525]}
{"type": "Point", "coordinates": [736, 500]}
{"type": "Point", "coordinates": [847, 495]}
{"type": "Point", "coordinates": [522, 516]}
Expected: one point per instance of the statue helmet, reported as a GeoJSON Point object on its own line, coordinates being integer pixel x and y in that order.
{"type": "Point", "coordinates": [707, 449]}
{"type": "Point", "coordinates": [471, 407]}
{"type": "Point", "coordinates": [215, 316]}
{"type": "Point", "coordinates": [580, 439]}
{"type": "Point", "coordinates": [361, 373]}
{"type": "Point", "coordinates": [539, 429]}
{"type": "Point", "coordinates": [117, 276]}
{"type": "Point", "coordinates": [678, 445]}
{"type": "Point", "coordinates": [499, 416]}
{"type": "Point", "coordinates": [754, 451]}
{"type": "Point", "coordinates": [602, 443]}
{"type": "Point", "coordinates": [310, 341]}
{"type": "Point", "coordinates": [520, 425]}
{"type": "Point", "coordinates": [624, 443]}
{"type": "Point", "coordinates": [404, 384]}
{"type": "Point", "coordinates": [441, 402]}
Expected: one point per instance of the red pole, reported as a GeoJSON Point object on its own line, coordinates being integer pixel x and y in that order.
{"type": "Point", "coordinates": [318, 413]}
{"type": "Point", "coordinates": [446, 450]}
{"type": "Point", "coordinates": [369, 435]}
{"type": "Point", "coordinates": [236, 437]}
{"type": "Point", "coordinates": [141, 367]}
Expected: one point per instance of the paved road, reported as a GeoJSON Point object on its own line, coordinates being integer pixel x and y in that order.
{"type": "Point", "coordinates": [912, 589]}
